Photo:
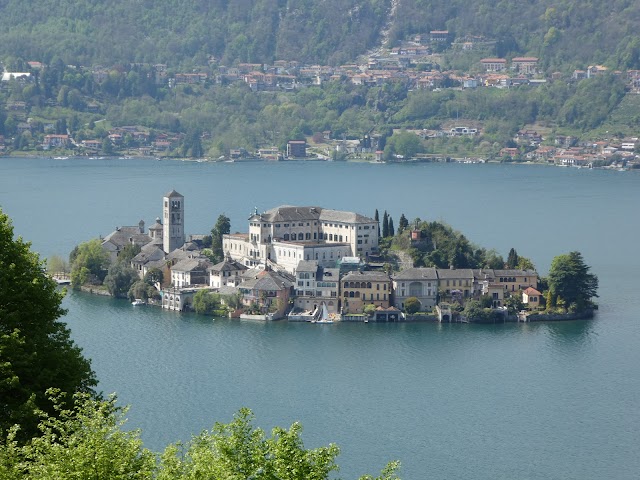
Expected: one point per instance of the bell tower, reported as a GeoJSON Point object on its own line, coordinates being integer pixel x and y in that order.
{"type": "Point", "coordinates": [173, 224]}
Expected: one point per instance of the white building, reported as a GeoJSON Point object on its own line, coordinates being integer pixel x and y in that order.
{"type": "Point", "coordinates": [310, 232]}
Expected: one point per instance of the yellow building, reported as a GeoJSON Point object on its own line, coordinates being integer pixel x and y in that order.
{"type": "Point", "coordinates": [531, 298]}
{"type": "Point", "coordinates": [364, 288]}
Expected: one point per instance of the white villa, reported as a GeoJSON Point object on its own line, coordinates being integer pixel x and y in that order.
{"type": "Point", "coordinates": [288, 234]}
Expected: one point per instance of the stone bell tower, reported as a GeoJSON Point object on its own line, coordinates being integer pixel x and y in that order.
{"type": "Point", "coordinates": [173, 221]}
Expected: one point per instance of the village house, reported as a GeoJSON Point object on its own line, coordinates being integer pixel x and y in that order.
{"type": "Point", "coordinates": [190, 272]}
{"type": "Point", "coordinates": [296, 149]}
{"type": "Point", "coordinates": [228, 272]}
{"type": "Point", "coordinates": [117, 240]}
{"type": "Point", "coordinates": [316, 285]}
{"type": "Point", "coordinates": [364, 288]}
{"type": "Point", "coordinates": [421, 283]}
{"type": "Point", "coordinates": [266, 290]}
{"type": "Point", "coordinates": [455, 281]}
{"type": "Point", "coordinates": [55, 141]}
{"type": "Point", "coordinates": [525, 65]}
{"type": "Point", "coordinates": [531, 298]}
{"type": "Point", "coordinates": [494, 64]}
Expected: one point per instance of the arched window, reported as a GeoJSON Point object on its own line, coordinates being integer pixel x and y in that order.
{"type": "Point", "coordinates": [351, 294]}
{"type": "Point", "coordinates": [368, 284]}
{"type": "Point", "coordinates": [346, 285]}
{"type": "Point", "coordinates": [357, 284]}
{"type": "Point", "coordinates": [346, 294]}
{"type": "Point", "coordinates": [357, 294]}
{"type": "Point", "coordinates": [286, 236]}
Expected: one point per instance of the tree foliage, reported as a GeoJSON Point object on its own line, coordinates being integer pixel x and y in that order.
{"type": "Point", "coordinates": [119, 279]}
{"type": "Point", "coordinates": [89, 263]}
{"type": "Point", "coordinates": [222, 227]}
{"type": "Point", "coordinates": [205, 302]}
{"type": "Point", "coordinates": [412, 305]}
{"type": "Point", "coordinates": [570, 280]}
{"type": "Point", "coordinates": [36, 351]}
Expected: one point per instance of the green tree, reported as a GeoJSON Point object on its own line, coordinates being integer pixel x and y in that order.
{"type": "Point", "coordinates": [392, 230]}
{"type": "Point", "coordinates": [525, 264]}
{"type": "Point", "coordinates": [36, 350]}
{"type": "Point", "coordinates": [57, 264]}
{"type": "Point", "coordinates": [119, 279]}
{"type": "Point", "coordinates": [570, 280]}
{"type": "Point", "coordinates": [205, 302]}
{"type": "Point", "coordinates": [412, 305]}
{"type": "Point", "coordinates": [89, 263]}
{"type": "Point", "coordinates": [377, 219]}
{"type": "Point", "coordinates": [222, 227]}
{"type": "Point", "coordinates": [385, 225]}
{"type": "Point", "coordinates": [512, 259]}
{"type": "Point", "coordinates": [86, 439]}
{"type": "Point", "coordinates": [369, 309]}
{"type": "Point", "coordinates": [239, 451]}
{"type": "Point", "coordinates": [403, 223]}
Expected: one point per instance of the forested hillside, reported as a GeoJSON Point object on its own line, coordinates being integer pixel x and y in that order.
{"type": "Point", "coordinates": [181, 32]}
{"type": "Point", "coordinates": [563, 33]}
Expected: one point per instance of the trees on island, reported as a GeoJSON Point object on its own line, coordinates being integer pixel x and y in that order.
{"type": "Point", "coordinates": [571, 283]}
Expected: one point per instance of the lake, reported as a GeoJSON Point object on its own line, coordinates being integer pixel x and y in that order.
{"type": "Point", "coordinates": [534, 401]}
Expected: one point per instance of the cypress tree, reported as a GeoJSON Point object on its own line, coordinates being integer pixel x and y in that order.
{"type": "Point", "coordinates": [391, 229]}
{"type": "Point", "coordinates": [403, 223]}
{"type": "Point", "coordinates": [377, 219]}
{"type": "Point", "coordinates": [385, 225]}
{"type": "Point", "coordinates": [512, 259]}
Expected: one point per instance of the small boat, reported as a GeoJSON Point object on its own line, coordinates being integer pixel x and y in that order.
{"type": "Point", "coordinates": [324, 317]}
{"type": "Point", "coordinates": [137, 302]}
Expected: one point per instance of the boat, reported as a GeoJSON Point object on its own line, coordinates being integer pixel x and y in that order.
{"type": "Point", "coordinates": [324, 315]}
{"type": "Point", "coordinates": [137, 302]}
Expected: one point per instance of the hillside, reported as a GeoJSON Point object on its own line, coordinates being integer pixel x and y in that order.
{"type": "Point", "coordinates": [563, 33]}
{"type": "Point", "coordinates": [181, 32]}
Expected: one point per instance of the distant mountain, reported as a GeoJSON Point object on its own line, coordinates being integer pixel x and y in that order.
{"type": "Point", "coordinates": [184, 33]}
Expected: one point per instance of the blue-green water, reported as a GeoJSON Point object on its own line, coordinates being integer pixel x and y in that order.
{"type": "Point", "coordinates": [537, 401]}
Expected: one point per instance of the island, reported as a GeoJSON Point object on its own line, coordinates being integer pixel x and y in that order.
{"type": "Point", "coordinates": [313, 264]}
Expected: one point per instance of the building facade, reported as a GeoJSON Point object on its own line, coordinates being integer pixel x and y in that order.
{"type": "Point", "coordinates": [421, 283]}
{"type": "Point", "coordinates": [310, 229]}
{"type": "Point", "coordinates": [173, 226]}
